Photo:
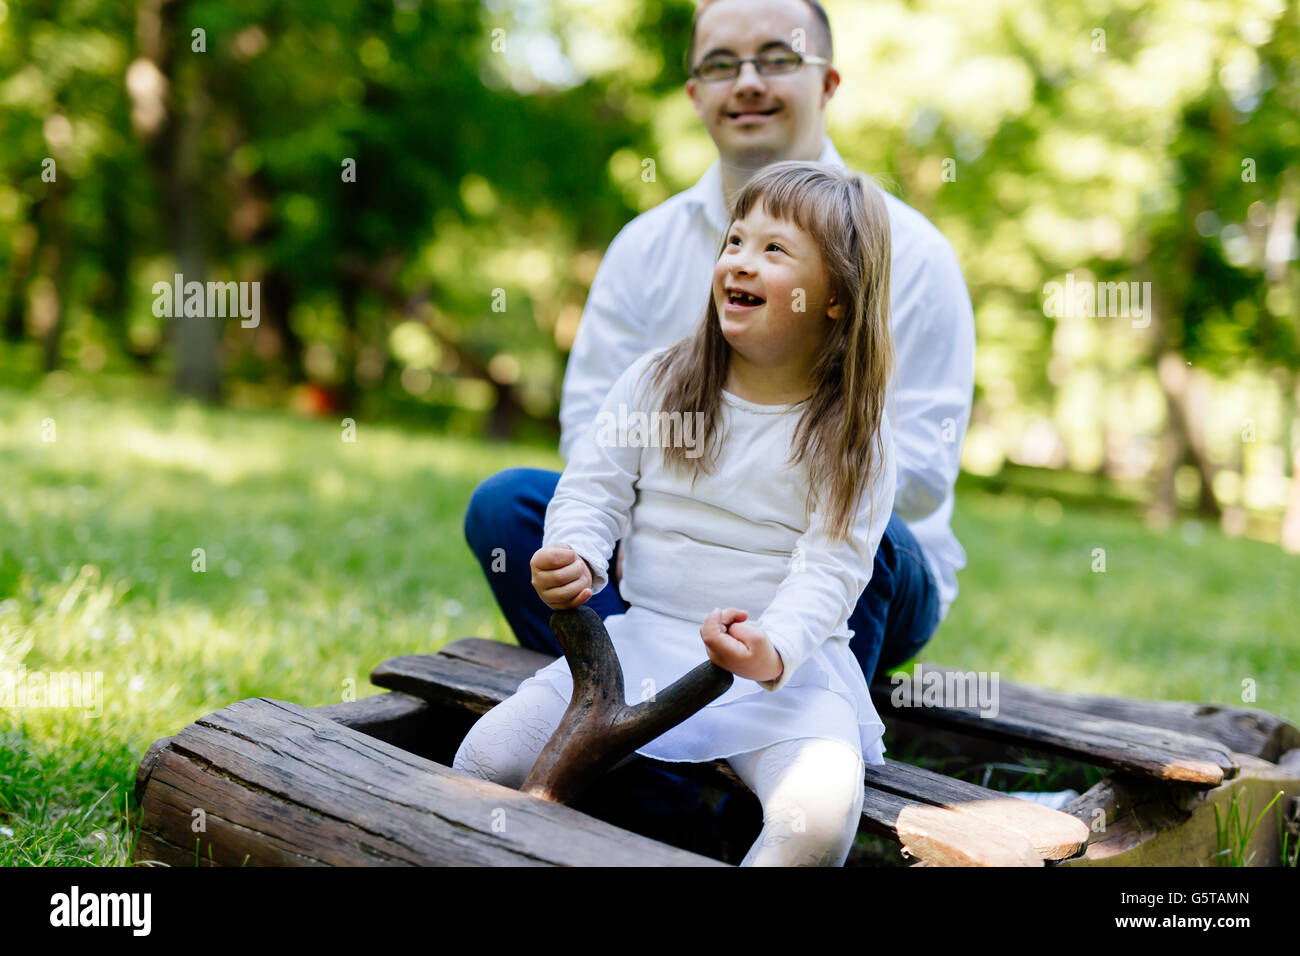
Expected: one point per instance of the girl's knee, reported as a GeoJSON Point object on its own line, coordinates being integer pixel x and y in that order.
{"type": "Point", "coordinates": [794, 836]}
{"type": "Point", "coordinates": [476, 758]}
{"type": "Point", "coordinates": [820, 832]}
{"type": "Point", "coordinates": [811, 814]}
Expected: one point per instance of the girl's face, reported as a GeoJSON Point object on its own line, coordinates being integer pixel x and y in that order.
{"type": "Point", "coordinates": [779, 265]}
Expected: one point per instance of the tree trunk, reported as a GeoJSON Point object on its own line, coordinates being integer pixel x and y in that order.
{"type": "Point", "coordinates": [58, 260]}
{"type": "Point", "coordinates": [26, 240]}
{"type": "Point", "coordinates": [1181, 441]}
{"type": "Point", "coordinates": [111, 300]}
{"type": "Point", "coordinates": [173, 155]}
{"type": "Point", "coordinates": [278, 298]}
{"type": "Point", "coordinates": [349, 293]}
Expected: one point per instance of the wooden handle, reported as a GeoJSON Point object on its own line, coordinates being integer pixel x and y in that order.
{"type": "Point", "coordinates": [599, 729]}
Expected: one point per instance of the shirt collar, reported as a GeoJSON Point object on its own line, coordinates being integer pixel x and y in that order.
{"type": "Point", "coordinates": [707, 193]}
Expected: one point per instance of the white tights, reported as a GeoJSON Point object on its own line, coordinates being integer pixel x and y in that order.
{"type": "Point", "coordinates": [811, 788]}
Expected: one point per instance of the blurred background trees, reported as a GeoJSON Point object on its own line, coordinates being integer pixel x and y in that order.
{"type": "Point", "coordinates": [423, 191]}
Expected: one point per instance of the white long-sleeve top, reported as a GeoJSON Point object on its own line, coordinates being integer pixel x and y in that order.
{"type": "Point", "coordinates": [652, 288]}
{"type": "Point", "coordinates": [739, 538]}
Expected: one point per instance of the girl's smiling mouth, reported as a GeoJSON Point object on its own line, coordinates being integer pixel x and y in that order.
{"type": "Point", "coordinates": [738, 299]}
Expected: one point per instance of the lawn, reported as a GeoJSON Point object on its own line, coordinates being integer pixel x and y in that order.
{"type": "Point", "coordinates": [321, 558]}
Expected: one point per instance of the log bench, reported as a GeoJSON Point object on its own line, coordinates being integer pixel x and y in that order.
{"type": "Point", "coordinates": [367, 781]}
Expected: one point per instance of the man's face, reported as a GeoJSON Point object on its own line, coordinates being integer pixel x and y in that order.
{"type": "Point", "coordinates": [753, 119]}
{"type": "Point", "coordinates": [777, 262]}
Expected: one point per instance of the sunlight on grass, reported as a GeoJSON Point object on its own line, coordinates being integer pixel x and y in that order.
{"type": "Point", "coordinates": [1175, 615]}
{"type": "Point", "coordinates": [320, 559]}
{"type": "Point", "coordinates": [195, 557]}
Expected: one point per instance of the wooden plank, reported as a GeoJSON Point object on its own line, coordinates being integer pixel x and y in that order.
{"type": "Point", "coordinates": [468, 680]}
{"type": "Point", "coordinates": [1025, 717]}
{"type": "Point", "coordinates": [941, 837]}
{"type": "Point", "coordinates": [372, 713]}
{"type": "Point", "coordinates": [1238, 729]}
{"type": "Point", "coordinates": [447, 681]}
{"type": "Point", "coordinates": [934, 835]}
{"type": "Point", "coordinates": [1052, 835]}
{"type": "Point", "coordinates": [279, 785]}
{"type": "Point", "coordinates": [507, 658]}
{"type": "Point", "coordinates": [399, 719]}
{"type": "Point", "coordinates": [1120, 745]}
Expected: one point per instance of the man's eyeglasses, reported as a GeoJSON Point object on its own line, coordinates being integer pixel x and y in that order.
{"type": "Point", "coordinates": [771, 63]}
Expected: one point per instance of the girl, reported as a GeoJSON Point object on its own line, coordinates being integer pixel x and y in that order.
{"type": "Point", "coordinates": [774, 503]}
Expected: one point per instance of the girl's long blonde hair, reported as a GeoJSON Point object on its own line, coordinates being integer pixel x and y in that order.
{"type": "Point", "coordinates": [838, 434]}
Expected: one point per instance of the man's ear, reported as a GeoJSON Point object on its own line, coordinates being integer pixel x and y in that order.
{"type": "Point", "coordinates": [831, 84]}
{"type": "Point", "coordinates": [691, 87]}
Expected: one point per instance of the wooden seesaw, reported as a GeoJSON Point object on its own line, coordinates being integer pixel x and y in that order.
{"type": "Point", "coordinates": [368, 782]}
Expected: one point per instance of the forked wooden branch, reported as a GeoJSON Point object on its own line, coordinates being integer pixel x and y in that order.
{"type": "Point", "coordinates": [599, 729]}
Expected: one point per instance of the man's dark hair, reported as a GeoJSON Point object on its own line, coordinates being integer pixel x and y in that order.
{"type": "Point", "coordinates": [821, 26]}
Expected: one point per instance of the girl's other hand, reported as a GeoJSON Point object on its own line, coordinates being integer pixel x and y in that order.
{"type": "Point", "coordinates": [561, 578]}
{"type": "Point", "coordinates": [740, 648]}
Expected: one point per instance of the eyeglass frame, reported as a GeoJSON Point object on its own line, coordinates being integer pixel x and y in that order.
{"type": "Point", "coordinates": [742, 60]}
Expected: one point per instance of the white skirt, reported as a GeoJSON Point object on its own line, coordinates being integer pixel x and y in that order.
{"type": "Point", "coordinates": [827, 697]}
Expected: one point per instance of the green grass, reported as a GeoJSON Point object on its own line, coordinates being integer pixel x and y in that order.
{"type": "Point", "coordinates": [1182, 614]}
{"type": "Point", "coordinates": [1233, 831]}
{"type": "Point", "coordinates": [324, 558]}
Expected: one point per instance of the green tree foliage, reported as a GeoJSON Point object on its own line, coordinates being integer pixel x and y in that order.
{"type": "Point", "coordinates": [423, 189]}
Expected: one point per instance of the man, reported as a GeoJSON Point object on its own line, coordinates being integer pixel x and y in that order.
{"type": "Point", "coordinates": [652, 288]}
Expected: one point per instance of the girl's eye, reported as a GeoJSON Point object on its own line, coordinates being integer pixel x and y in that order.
{"type": "Point", "coordinates": [736, 241]}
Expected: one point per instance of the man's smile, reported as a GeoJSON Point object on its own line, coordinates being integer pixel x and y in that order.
{"type": "Point", "coordinates": [751, 116]}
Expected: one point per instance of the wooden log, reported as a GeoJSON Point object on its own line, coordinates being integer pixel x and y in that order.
{"type": "Point", "coordinates": [279, 785]}
{"type": "Point", "coordinates": [612, 799]}
{"type": "Point", "coordinates": [1239, 729]}
{"type": "Point", "coordinates": [455, 682]}
{"type": "Point", "coordinates": [1153, 752]}
{"type": "Point", "coordinates": [147, 763]}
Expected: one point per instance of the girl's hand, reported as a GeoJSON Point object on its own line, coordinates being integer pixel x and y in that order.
{"type": "Point", "coordinates": [561, 578]}
{"type": "Point", "coordinates": [740, 648]}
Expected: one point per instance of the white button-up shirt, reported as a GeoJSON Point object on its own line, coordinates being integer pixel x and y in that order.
{"type": "Point", "coordinates": [653, 287]}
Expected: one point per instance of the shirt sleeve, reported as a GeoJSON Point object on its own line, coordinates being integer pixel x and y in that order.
{"type": "Point", "coordinates": [611, 335]}
{"type": "Point", "coordinates": [591, 508]}
{"type": "Point", "coordinates": [825, 580]}
{"type": "Point", "coordinates": [934, 341]}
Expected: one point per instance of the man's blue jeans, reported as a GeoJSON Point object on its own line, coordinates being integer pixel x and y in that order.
{"type": "Point", "coordinates": [895, 617]}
